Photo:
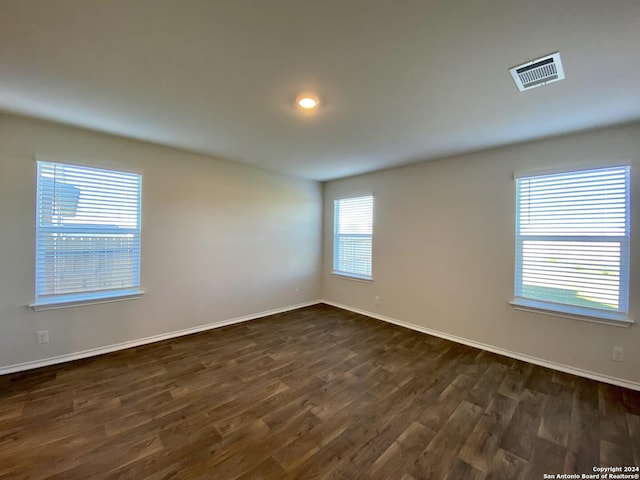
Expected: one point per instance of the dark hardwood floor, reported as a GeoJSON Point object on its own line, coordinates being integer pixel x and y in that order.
{"type": "Point", "coordinates": [317, 393]}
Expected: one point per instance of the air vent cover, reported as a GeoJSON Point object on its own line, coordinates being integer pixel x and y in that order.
{"type": "Point", "coordinates": [538, 72]}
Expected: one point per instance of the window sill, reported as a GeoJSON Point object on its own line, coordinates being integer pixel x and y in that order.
{"type": "Point", "coordinates": [66, 302]}
{"type": "Point", "coordinates": [574, 313]}
{"type": "Point", "coordinates": [353, 276]}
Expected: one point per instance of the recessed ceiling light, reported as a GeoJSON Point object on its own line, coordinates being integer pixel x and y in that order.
{"type": "Point", "coordinates": [307, 102]}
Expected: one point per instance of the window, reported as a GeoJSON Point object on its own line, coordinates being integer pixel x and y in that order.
{"type": "Point", "coordinates": [572, 242]}
{"type": "Point", "coordinates": [87, 234]}
{"type": "Point", "coordinates": [352, 237]}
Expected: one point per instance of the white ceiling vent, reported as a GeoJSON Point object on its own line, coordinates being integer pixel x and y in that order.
{"type": "Point", "coordinates": [538, 72]}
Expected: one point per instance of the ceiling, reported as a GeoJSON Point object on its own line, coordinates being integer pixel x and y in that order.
{"type": "Point", "coordinates": [399, 81]}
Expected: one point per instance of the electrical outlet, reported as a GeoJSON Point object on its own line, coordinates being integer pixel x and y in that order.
{"type": "Point", "coordinates": [297, 291]}
{"type": "Point", "coordinates": [618, 354]}
{"type": "Point", "coordinates": [376, 300]}
{"type": "Point", "coordinates": [43, 336]}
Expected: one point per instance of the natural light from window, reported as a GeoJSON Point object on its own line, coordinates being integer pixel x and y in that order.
{"type": "Point", "coordinates": [353, 236]}
{"type": "Point", "coordinates": [572, 240]}
{"type": "Point", "coordinates": [87, 233]}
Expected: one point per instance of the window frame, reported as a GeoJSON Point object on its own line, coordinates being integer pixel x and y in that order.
{"type": "Point", "coordinates": [47, 301]}
{"type": "Point", "coordinates": [336, 271]}
{"type": "Point", "coordinates": [566, 310]}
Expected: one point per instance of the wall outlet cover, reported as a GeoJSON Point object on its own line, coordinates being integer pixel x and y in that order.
{"type": "Point", "coordinates": [42, 336]}
{"type": "Point", "coordinates": [618, 354]}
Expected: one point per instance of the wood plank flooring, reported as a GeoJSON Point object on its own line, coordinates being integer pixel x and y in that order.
{"type": "Point", "coordinates": [317, 393]}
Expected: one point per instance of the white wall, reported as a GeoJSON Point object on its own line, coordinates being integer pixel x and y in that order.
{"type": "Point", "coordinates": [443, 251]}
{"type": "Point", "coordinates": [222, 240]}
{"type": "Point", "coordinates": [219, 240]}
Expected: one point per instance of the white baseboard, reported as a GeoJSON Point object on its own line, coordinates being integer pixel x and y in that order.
{"type": "Point", "coordinates": [490, 348]}
{"type": "Point", "coordinates": [201, 328]}
{"type": "Point", "coordinates": [143, 341]}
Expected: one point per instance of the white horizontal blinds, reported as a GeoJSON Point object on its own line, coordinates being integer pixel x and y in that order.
{"type": "Point", "coordinates": [353, 231]}
{"type": "Point", "coordinates": [88, 232]}
{"type": "Point", "coordinates": [573, 238]}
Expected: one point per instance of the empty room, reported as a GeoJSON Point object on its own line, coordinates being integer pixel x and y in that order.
{"type": "Point", "coordinates": [338, 239]}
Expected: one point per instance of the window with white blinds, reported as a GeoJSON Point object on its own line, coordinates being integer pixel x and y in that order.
{"type": "Point", "coordinates": [87, 234]}
{"type": "Point", "coordinates": [352, 236]}
{"type": "Point", "coordinates": [572, 242]}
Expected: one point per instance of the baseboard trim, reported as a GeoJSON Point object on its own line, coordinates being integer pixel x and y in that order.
{"type": "Point", "coordinates": [490, 348]}
{"type": "Point", "coordinates": [92, 352]}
